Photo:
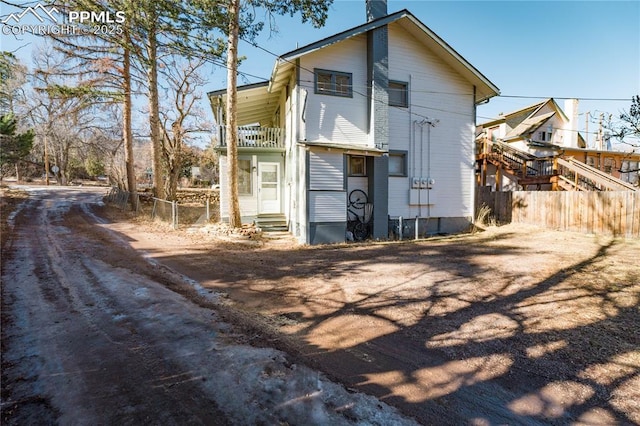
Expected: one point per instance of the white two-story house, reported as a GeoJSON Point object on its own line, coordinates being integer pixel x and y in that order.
{"type": "Point", "coordinates": [387, 108]}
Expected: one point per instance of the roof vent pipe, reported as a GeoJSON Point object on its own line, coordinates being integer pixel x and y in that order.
{"type": "Point", "coordinates": [376, 9]}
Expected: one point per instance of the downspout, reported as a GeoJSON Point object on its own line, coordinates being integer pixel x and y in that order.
{"type": "Point", "coordinates": [412, 126]}
{"type": "Point", "coordinates": [297, 135]}
{"type": "Point", "coordinates": [474, 186]}
{"type": "Point", "coordinates": [428, 172]}
{"type": "Point", "coordinates": [421, 169]}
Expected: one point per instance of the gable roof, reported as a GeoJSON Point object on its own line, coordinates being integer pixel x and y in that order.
{"type": "Point", "coordinates": [530, 111]}
{"type": "Point", "coordinates": [531, 119]}
{"type": "Point", "coordinates": [485, 89]}
{"type": "Point", "coordinates": [254, 98]}
{"type": "Point", "coordinates": [529, 125]}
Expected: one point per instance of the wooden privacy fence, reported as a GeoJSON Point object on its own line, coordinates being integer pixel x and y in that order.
{"type": "Point", "coordinates": [594, 212]}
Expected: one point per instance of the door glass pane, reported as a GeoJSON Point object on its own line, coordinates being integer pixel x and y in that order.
{"type": "Point", "coordinates": [269, 192]}
{"type": "Point", "coordinates": [269, 177]}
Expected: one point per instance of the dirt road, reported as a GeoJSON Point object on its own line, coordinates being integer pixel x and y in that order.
{"type": "Point", "coordinates": [513, 325]}
{"type": "Point", "coordinates": [94, 333]}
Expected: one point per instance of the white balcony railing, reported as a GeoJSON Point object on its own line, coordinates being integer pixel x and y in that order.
{"type": "Point", "coordinates": [256, 137]}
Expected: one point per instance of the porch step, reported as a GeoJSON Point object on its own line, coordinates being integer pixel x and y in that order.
{"type": "Point", "coordinates": [272, 223]}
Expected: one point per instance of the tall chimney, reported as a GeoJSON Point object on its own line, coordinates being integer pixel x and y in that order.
{"type": "Point", "coordinates": [376, 9]}
{"type": "Point", "coordinates": [571, 128]}
{"type": "Point", "coordinates": [378, 115]}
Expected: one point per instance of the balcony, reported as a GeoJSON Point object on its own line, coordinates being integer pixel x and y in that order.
{"type": "Point", "coordinates": [252, 137]}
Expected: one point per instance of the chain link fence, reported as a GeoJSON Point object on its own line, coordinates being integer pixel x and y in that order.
{"type": "Point", "coordinates": [194, 207]}
{"type": "Point", "coordinates": [121, 198]}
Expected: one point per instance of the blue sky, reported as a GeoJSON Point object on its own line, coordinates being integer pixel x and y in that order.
{"type": "Point", "coordinates": [583, 49]}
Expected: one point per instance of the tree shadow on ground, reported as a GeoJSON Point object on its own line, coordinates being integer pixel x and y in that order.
{"type": "Point", "coordinates": [533, 347]}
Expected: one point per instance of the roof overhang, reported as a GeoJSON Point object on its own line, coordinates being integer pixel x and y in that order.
{"type": "Point", "coordinates": [346, 148]}
{"type": "Point", "coordinates": [484, 89]}
{"type": "Point", "coordinates": [255, 103]}
{"type": "Point", "coordinates": [528, 126]}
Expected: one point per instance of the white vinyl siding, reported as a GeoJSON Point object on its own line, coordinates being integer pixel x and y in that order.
{"type": "Point", "coordinates": [326, 171]}
{"type": "Point", "coordinates": [436, 92]}
{"type": "Point", "coordinates": [327, 206]}
{"type": "Point", "coordinates": [336, 119]}
{"type": "Point", "coordinates": [327, 199]}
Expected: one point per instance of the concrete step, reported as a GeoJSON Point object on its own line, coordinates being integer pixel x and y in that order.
{"type": "Point", "coordinates": [272, 223]}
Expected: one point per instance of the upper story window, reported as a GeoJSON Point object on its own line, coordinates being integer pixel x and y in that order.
{"type": "Point", "coordinates": [333, 83]}
{"type": "Point", "coordinates": [545, 136]}
{"type": "Point", "coordinates": [398, 94]}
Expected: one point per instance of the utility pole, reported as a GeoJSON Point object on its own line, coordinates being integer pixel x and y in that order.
{"type": "Point", "coordinates": [586, 128]}
{"type": "Point", "coordinates": [600, 134]}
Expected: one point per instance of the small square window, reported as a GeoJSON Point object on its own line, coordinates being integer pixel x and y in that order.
{"type": "Point", "coordinates": [398, 163]}
{"type": "Point", "coordinates": [357, 166]}
{"type": "Point", "coordinates": [398, 94]}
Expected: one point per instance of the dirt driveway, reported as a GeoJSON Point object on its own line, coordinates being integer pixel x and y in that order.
{"type": "Point", "coordinates": [507, 326]}
{"type": "Point", "coordinates": [513, 325]}
{"type": "Point", "coordinates": [93, 333]}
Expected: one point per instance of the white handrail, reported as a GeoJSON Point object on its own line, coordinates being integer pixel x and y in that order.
{"type": "Point", "coordinates": [257, 137]}
{"type": "Point", "coordinates": [597, 176]}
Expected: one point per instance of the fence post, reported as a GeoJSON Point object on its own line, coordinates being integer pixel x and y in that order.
{"type": "Point", "coordinates": [174, 214]}
{"type": "Point", "coordinates": [554, 175]}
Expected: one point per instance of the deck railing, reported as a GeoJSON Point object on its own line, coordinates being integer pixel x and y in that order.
{"type": "Point", "coordinates": [575, 175]}
{"type": "Point", "coordinates": [522, 163]}
{"type": "Point", "coordinates": [255, 137]}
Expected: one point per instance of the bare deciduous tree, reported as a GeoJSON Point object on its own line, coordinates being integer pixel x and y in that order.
{"type": "Point", "coordinates": [181, 118]}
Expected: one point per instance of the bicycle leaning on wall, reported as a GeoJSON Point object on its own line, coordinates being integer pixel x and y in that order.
{"type": "Point", "coordinates": [359, 213]}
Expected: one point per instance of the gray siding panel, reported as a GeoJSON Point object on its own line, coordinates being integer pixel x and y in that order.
{"type": "Point", "coordinates": [327, 233]}
{"type": "Point", "coordinates": [326, 171]}
{"type": "Point", "coordinates": [327, 206]}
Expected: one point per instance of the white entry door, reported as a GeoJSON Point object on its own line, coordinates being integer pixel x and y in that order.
{"type": "Point", "coordinates": [268, 188]}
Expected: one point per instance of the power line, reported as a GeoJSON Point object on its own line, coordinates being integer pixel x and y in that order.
{"type": "Point", "coordinates": [566, 98]}
{"type": "Point", "coordinates": [368, 87]}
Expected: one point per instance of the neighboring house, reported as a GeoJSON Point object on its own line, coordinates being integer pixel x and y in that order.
{"type": "Point", "coordinates": [544, 130]}
{"type": "Point", "coordinates": [387, 107]}
{"type": "Point", "coordinates": [538, 129]}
